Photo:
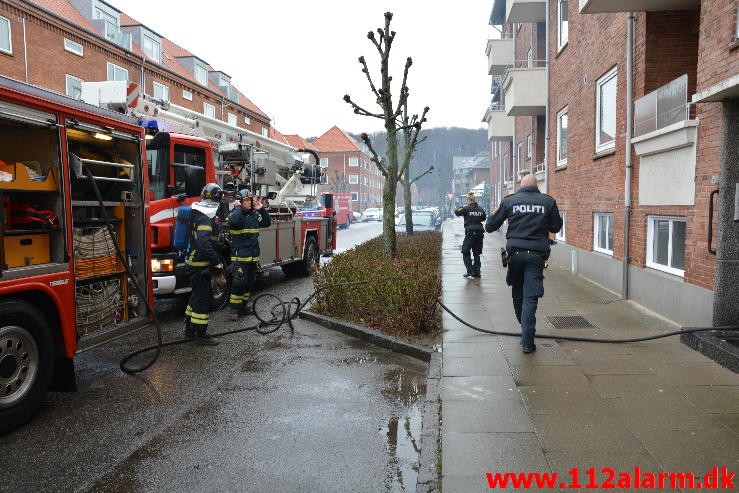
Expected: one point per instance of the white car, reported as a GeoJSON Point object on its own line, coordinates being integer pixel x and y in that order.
{"type": "Point", "coordinates": [372, 214]}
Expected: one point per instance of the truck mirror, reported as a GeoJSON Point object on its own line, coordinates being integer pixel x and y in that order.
{"type": "Point", "coordinates": [194, 180]}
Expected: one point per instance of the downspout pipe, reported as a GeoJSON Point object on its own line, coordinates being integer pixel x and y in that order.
{"type": "Point", "coordinates": [546, 107]}
{"type": "Point", "coordinates": [25, 46]}
{"type": "Point", "coordinates": [628, 158]}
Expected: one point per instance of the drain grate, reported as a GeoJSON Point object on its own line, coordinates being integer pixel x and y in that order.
{"type": "Point", "coordinates": [570, 322]}
{"type": "Point", "coordinates": [603, 302]}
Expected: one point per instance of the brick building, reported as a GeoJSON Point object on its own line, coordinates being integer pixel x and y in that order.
{"type": "Point", "coordinates": [576, 77]}
{"type": "Point", "coordinates": [58, 44]}
{"type": "Point", "coordinates": [346, 166]}
{"type": "Point", "coordinates": [469, 173]}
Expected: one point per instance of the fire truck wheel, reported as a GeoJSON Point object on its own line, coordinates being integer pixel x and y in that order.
{"type": "Point", "coordinates": [221, 288]}
{"type": "Point", "coordinates": [309, 263]}
{"type": "Point", "coordinates": [26, 362]}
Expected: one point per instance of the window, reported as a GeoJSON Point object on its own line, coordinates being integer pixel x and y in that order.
{"type": "Point", "coordinates": [529, 146]}
{"type": "Point", "coordinates": [530, 58]}
{"type": "Point", "coordinates": [353, 179]}
{"type": "Point", "coordinates": [265, 132]}
{"type": "Point", "coordinates": [355, 196]}
{"type": "Point", "coordinates": [605, 113]}
{"type": "Point", "coordinates": [561, 234]}
{"type": "Point", "coordinates": [161, 91]}
{"type": "Point", "coordinates": [247, 120]}
{"type": "Point", "coordinates": [6, 42]}
{"type": "Point", "coordinates": [519, 158]}
{"type": "Point", "coordinates": [74, 86]}
{"type": "Point", "coordinates": [73, 47]}
{"type": "Point", "coordinates": [562, 138]}
{"type": "Point", "coordinates": [152, 48]}
{"type": "Point", "coordinates": [209, 110]}
{"type": "Point", "coordinates": [324, 162]}
{"type": "Point", "coordinates": [603, 233]}
{"type": "Point", "coordinates": [185, 155]}
{"type": "Point", "coordinates": [201, 74]}
{"type": "Point", "coordinates": [186, 95]}
{"type": "Point", "coordinates": [324, 179]}
{"type": "Point", "coordinates": [562, 23]}
{"type": "Point", "coordinates": [117, 73]}
{"type": "Point", "coordinates": [666, 244]}
{"type": "Point", "coordinates": [233, 119]}
{"type": "Point", "coordinates": [353, 161]}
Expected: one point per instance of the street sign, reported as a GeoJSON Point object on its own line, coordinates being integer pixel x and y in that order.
{"type": "Point", "coordinates": [450, 197]}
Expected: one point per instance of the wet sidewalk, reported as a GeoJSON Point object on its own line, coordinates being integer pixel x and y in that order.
{"type": "Point", "coordinates": [659, 405]}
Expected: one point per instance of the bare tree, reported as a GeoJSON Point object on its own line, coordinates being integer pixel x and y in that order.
{"type": "Point", "coordinates": [392, 115]}
{"type": "Point", "coordinates": [411, 128]}
{"type": "Point", "coordinates": [338, 184]}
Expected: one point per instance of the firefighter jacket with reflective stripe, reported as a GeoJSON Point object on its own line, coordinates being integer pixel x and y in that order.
{"type": "Point", "coordinates": [244, 227]}
{"type": "Point", "coordinates": [531, 215]}
{"type": "Point", "coordinates": [204, 231]}
{"type": "Point", "coordinates": [473, 214]}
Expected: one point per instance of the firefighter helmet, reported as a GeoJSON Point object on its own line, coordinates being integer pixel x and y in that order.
{"type": "Point", "coordinates": [243, 194]}
{"type": "Point", "coordinates": [211, 191]}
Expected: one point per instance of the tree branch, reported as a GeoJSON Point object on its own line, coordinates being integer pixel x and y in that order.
{"type": "Point", "coordinates": [422, 174]}
{"type": "Point", "coordinates": [375, 158]}
{"type": "Point", "coordinates": [361, 111]}
{"type": "Point", "coordinates": [369, 77]}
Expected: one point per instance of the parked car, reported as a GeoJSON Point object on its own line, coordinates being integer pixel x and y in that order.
{"type": "Point", "coordinates": [372, 214]}
{"type": "Point", "coordinates": [422, 221]}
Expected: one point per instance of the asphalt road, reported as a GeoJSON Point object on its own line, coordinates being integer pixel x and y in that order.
{"type": "Point", "coordinates": [309, 410]}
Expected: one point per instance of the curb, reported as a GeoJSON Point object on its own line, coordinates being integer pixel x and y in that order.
{"type": "Point", "coordinates": [370, 335]}
{"type": "Point", "coordinates": [429, 471]}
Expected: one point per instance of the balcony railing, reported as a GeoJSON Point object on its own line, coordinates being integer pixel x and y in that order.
{"type": "Point", "coordinates": [526, 11]}
{"type": "Point", "coordinates": [500, 55]}
{"type": "Point", "coordinates": [525, 89]}
{"type": "Point", "coordinates": [662, 107]}
{"type": "Point", "coordinates": [537, 168]}
{"type": "Point", "coordinates": [113, 33]}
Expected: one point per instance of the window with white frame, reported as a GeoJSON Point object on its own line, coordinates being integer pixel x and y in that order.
{"type": "Point", "coordinates": [519, 157]}
{"type": "Point", "coordinates": [74, 47]}
{"type": "Point", "coordinates": [6, 41]}
{"type": "Point", "coordinates": [355, 196]}
{"type": "Point", "coordinates": [529, 146]}
{"type": "Point", "coordinates": [562, 137]}
{"type": "Point", "coordinates": [161, 91]}
{"type": "Point", "coordinates": [201, 74]}
{"type": "Point", "coordinates": [561, 233]}
{"type": "Point", "coordinates": [247, 120]}
{"type": "Point", "coordinates": [209, 110]}
{"type": "Point", "coordinates": [324, 179]}
{"type": "Point", "coordinates": [117, 73]}
{"type": "Point", "coordinates": [73, 86]}
{"type": "Point", "coordinates": [353, 179]}
{"type": "Point", "coordinates": [152, 48]}
{"type": "Point", "coordinates": [603, 233]}
{"type": "Point", "coordinates": [186, 95]}
{"type": "Point", "coordinates": [562, 23]}
{"type": "Point", "coordinates": [233, 119]}
{"type": "Point", "coordinates": [353, 161]}
{"type": "Point", "coordinates": [605, 112]}
{"type": "Point", "coordinates": [666, 244]}
{"type": "Point", "coordinates": [324, 162]}
{"type": "Point", "coordinates": [265, 132]}
{"type": "Point", "coordinates": [530, 58]}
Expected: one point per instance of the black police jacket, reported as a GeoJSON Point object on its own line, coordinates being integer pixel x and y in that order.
{"type": "Point", "coordinates": [473, 214]}
{"type": "Point", "coordinates": [204, 231]}
{"type": "Point", "coordinates": [244, 227]}
{"type": "Point", "coordinates": [531, 216]}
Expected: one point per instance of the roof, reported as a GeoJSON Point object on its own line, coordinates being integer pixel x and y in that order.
{"type": "Point", "coordinates": [275, 134]}
{"type": "Point", "coordinates": [299, 142]}
{"type": "Point", "coordinates": [336, 140]}
{"type": "Point", "coordinates": [63, 8]}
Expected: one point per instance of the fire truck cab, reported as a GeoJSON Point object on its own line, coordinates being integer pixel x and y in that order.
{"type": "Point", "coordinates": [74, 239]}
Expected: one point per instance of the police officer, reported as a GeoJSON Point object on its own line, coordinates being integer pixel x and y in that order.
{"type": "Point", "coordinates": [474, 216]}
{"type": "Point", "coordinates": [531, 216]}
{"type": "Point", "coordinates": [244, 222]}
{"type": "Point", "coordinates": [202, 262]}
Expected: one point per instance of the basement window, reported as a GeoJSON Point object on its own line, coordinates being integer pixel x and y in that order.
{"type": "Point", "coordinates": [666, 244]}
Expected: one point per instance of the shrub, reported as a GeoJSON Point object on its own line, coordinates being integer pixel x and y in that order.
{"type": "Point", "coordinates": [401, 294]}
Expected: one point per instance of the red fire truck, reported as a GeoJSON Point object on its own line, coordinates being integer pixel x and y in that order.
{"type": "Point", "coordinates": [186, 150]}
{"type": "Point", "coordinates": [74, 239]}
{"type": "Point", "coordinates": [342, 202]}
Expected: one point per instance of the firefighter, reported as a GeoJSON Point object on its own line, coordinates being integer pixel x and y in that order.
{"type": "Point", "coordinates": [531, 216]}
{"type": "Point", "coordinates": [474, 215]}
{"type": "Point", "coordinates": [202, 262]}
{"type": "Point", "coordinates": [244, 222]}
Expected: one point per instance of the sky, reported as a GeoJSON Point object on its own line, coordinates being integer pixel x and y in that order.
{"type": "Point", "coordinates": [295, 59]}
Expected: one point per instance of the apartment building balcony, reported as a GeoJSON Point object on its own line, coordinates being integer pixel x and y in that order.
{"type": "Point", "coordinates": [500, 125]}
{"type": "Point", "coordinates": [525, 91]}
{"type": "Point", "coordinates": [113, 33]}
{"type": "Point", "coordinates": [526, 10]}
{"type": "Point", "coordinates": [601, 6]}
{"type": "Point", "coordinates": [500, 55]}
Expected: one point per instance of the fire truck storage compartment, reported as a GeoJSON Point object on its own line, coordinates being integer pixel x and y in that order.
{"type": "Point", "coordinates": [102, 290]}
{"type": "Point", "coordinates": [29, 188]}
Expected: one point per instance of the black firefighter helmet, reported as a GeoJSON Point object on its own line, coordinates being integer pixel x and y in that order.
{"type": "Point", "coordinates": [211, 191]}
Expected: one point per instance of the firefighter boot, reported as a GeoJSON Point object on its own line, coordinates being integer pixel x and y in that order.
{"type": "Point", "coordinates": [233, 314]}
{"type": "Point", "coordinates": [246, 308]}
{"type": "Point", "coordinates": [189, 329]}
{"type": "Point", "coordinates": [202, 338]}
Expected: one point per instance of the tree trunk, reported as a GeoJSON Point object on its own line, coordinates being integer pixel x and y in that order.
{"type": "Point", "coordinates": [389, 249]}
{"type": "Point", "coordinates": [407, 202]}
